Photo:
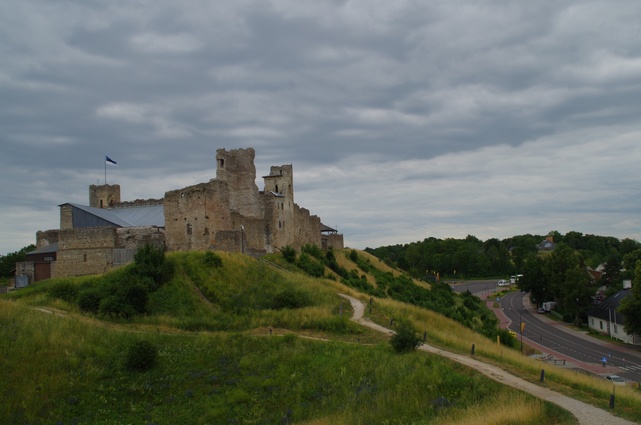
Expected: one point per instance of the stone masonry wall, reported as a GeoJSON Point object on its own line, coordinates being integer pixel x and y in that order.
{"type": "Point", "coordinates": [230, 214]}
{"type": "Point", "coordinates": [46, 237]}
{"type": "Point", "coordinates": [333, 240]}
{"type": "Point", "coordinates": [193, 215]}
{"type": "Point", "coordinates": [84, 251]}
{"type": "Point", "coordinates": [137, 237]}
{"type": "Point", "coordinates": [91, 250]}
{"type": "Point", "coordinates": [66, 217]}
{"type": "Point", "coordinates": [236, 168]}
{"type": "Point", "coordinates": [103, 196]}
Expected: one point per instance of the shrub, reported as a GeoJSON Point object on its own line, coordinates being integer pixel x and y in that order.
{"type": "Point", "coordinates": [310, 265]}
{"type": "Point", "coordinates": [291, 298]}
{"type": "Point", "coordinates": [406, 338]}
{"type": "Point", "coordinates": [289, 254]}
{"type": "Point", "coordinates": [89, 300]}
{"type": "Point", "coordinates": [141, 355]}
{"type": "Point", "coordinates": [312, 250]}
{"type": "Point", "coordinates": [353, 255]}
{"type": "Point", "coordinates": [113, 305]}
{"type": "Point", "coordinates": [135, 295]}
{"type": "Point", "coordinates": [212, 259]}
{"type": "Point", "coordinates": [150, 261]}
{"type": "Point", "coordinates": [65, 291]}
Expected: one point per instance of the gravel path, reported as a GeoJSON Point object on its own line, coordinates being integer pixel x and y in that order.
{"type": "Point", "coordinates": [585, 413]}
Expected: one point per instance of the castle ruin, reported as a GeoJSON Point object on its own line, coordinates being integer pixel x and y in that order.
{"type": "Point", "coordinates": [228, 213]}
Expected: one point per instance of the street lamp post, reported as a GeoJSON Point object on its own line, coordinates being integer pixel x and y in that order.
{"type": "Point", "coordinates": [521, 329]}
{"type": "Point", "coordinates": [242, 239]}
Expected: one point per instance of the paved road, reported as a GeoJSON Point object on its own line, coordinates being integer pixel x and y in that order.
{"type": "Point", "coordinates": [557, 339]}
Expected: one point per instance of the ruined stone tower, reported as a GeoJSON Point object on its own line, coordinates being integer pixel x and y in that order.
{"type": "Point", "coordinates": [104, 195]}
{"type": "Point", "coordinates": [229, 213]}
{"type": "Point", "coordinates": [236, 169]}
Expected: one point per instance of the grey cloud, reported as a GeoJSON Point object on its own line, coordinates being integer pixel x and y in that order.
{"type": "Point", "coordinates": [413, 117]}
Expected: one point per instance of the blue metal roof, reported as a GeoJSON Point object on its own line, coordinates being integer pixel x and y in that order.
{"type": "Point", "coordinates": [150, 215]}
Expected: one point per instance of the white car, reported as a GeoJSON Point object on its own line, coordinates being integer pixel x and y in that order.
{"type": "Point", "coordinates": [504, 283]}
{"type": "Point", "coordinates": [615, 379]}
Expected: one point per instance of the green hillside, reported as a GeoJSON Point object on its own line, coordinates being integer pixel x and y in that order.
{"type": "Point", "coordinates": [218, 338]}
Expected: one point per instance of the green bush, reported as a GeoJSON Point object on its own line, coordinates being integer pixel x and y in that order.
{"type": "Point", "coordinates": [89, 300]}
{"type": "Point", "coordinates": [136, 296]}
{"type": "Point", "coordinates": [406, 338]}
{"type": "Point", "coordinates": [65, 291]}
{"type": "Point", "coordinates": [291, 298]}
{"type": "Point", "coordinates": [289, 254]}
{"type": "Point", "coordinates": [113, 306]}
{"type": "Point", "coordinates": [353, 255]}
{"type": "Point", "coordinates": [312, 250]}
{"type": "Point", "coordinates": [141, 355]}
{"type": "Point", "coordinates": [212, 259]}
{"type": "Point", "coordinates": [311, 265]}
{"type": "Point", "coordinates": [150, 261]}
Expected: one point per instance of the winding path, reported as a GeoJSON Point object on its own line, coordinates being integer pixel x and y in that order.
{"type": "Point", "coordinates": [585, 413]}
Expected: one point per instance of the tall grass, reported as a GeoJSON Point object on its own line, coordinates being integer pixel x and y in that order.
{"type": "Point", "coordinates": [446, 333]}
{"type": "Point", "coordinates": [63, 370]}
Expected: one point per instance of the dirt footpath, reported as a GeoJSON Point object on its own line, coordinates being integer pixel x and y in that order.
{"type": "Point", "coordinates": [585, 413]}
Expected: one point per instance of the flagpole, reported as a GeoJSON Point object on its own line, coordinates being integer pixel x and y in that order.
{"type": "Point", "coordinates": [105, 170]}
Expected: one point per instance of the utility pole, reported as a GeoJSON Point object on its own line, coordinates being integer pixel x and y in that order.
{"type": "Point", "coordinates": [521, 327]}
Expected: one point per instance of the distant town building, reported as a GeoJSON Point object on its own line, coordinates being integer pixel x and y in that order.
{"type": "Point", "coordinates": [605, 319]}
{"type": "Point", "coordinates": [547, 244]}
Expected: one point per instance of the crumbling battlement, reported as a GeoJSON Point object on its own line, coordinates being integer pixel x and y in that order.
{"type": "Point", "coordinates": [230, 213]}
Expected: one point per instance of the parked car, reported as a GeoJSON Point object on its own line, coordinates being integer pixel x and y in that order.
{"type": "Point", "coordinates": [540, 310]}
{"type": "Point", "coordinates": [504, 283]}
{"type": "Point", "coordinates": [615, 379]}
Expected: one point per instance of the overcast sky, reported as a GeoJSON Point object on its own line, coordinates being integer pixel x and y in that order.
{"type": "Point", "coordinates": [402, 119]}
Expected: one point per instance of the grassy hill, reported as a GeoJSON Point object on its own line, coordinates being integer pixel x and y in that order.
{"type": "Point", "coordinates": [228, 339]}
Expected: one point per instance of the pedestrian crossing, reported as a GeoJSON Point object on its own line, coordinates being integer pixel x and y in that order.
{"type": "Point", "coordinates": [631, 368]}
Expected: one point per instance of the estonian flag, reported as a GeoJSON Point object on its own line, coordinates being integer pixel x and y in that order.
{"type": "Point", "coordinates": [110, 161]}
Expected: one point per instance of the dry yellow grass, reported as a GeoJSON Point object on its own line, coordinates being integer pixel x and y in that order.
{"type": "Point", "coordinates": [517, 409]}
{"type": "Point", "coordinates": [343, 261]}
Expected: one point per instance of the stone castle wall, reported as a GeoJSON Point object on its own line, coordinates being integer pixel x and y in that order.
{"type": "Point", "coordinates": [46, 238]}
{"type": "Point", "coordinates": [84, 251]}
{"type": "Point", "coordinates": [94, 250]}
{"type": "Point", "coordinates": [66, 217]}
{"type": "Point", "coordinates": [228, 213]}
{"type": "Point", "coordinates": [193, 215]}
{"type": "Point", "coordinates": [231, 214]}
{"type": "Point", "coordinates": [332, 240]}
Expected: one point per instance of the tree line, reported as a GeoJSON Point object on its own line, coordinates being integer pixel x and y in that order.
{"type": "Point", "coordinates": [473, 258]}
{"type": "Point", "coordinates": [8, 262]}
{"type": "Point", "coordinates": [562, 275]}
